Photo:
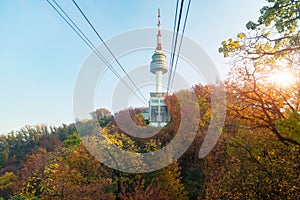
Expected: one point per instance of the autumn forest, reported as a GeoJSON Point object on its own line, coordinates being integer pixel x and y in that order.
{"type": "Point", "coordinates": [257, 155]}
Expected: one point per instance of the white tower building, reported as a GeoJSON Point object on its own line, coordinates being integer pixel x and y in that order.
{"type": "Point", "coordinates": [158, 115]}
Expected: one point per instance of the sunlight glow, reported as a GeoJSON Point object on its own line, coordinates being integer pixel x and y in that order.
{"type": "Point", "coordinates": [283, 78]}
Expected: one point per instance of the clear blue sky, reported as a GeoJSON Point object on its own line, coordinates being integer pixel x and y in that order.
{"type": "Point", "coordinates": [40, 56]}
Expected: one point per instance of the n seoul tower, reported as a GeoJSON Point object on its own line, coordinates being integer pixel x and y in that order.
{"type": "Point", "coordinates": [158, 111]}
{"type": "Point", "coordinates": [159, 64]}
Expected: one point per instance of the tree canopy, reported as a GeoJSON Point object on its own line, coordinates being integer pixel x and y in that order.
{"type": "Point", "coordinates": [256, 157]}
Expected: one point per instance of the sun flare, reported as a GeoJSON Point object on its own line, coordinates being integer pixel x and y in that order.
{"type": "Point", "coordinates": [283, 78]}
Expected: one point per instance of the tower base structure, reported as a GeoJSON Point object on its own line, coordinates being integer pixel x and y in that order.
{"type": "Point", "coordinates": [158, 110]}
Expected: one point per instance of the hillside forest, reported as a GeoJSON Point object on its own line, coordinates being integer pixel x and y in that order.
{"type": "Point", "coordinates": [256, 157]}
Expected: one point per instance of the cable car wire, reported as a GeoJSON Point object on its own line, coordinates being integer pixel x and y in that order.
{"type": "Point", "coordinates": [175, 45]}
{"type": "Point", "coordinates": [107, 47]}
{"type": "Point", "coordinates": [173, 37]}
{"type": "Point", "coordinates": [85, 39]}
{"type": "Point", "coordinates": [180, 44]}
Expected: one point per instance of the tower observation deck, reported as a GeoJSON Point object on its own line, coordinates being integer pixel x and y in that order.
{"type": "Point", "coordinates": [158, 112]}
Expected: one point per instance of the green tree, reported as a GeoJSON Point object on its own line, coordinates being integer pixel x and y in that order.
{"type": "Point", "coordinates": [275, 33]}
{"type": "Point", "coordinates": [6, 183]}
{"type": "Point", "coordinates": [290, 126]}
{"type": "Point", "coordinates": [4, 151]}
{"type": "Point", "coordinates": [72, 140]}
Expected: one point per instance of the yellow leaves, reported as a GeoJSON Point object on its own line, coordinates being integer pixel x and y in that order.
{"type": "Point", "coordinates": [117, 142]}
{"type": "Point", "coordinates": [231, 45]}
{"type": "Point", "coordinates": [234, 45]}
{"type": "Point", "coordinates": [51, 169]}
{"type": "Point", "coordinates": [258, 47]}
{"type": "Point", "coordinates": [7, 180]}
{"type": "Point", "coordinates": [271, 152]}
{"type": "Point", "coordinates": [241, 35]}
{"type": "Point", "coordinates": [268, 34]}
{"type": "Point", "coordinates": [105, 130]}
{"type": "Point", "coordinates": [29, 191]}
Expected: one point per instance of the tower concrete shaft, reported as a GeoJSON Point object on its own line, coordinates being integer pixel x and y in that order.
{"type": "Point", "coordinates": [159, 81]}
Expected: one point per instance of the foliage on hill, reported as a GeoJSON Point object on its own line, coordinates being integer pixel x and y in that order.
{"type": "Point", "coordinates": [51, 163]}
{"type": "Point", "coordinates": [256, 157]}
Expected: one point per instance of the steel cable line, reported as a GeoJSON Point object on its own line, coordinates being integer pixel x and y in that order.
{"type": "Point", "coordinates": [175, 45]}
{"type": "Point", "coordinates": [85, 39]}
{"type": "Point", "coordinates": [91, 25]}
{"type": "Point", "coordinates": [173, 37]}
{"type": "Point", "coordinates": [180, 44]}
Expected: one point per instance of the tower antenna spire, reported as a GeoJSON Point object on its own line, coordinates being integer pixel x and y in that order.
{"type": "Point", "coordinates": [159, 47]}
